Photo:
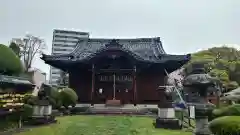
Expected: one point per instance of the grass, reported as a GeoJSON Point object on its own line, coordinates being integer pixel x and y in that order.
{"type": "Point", "coordinates": [102, 125]}
{"type": "Point", "coordinates": [5, 125]}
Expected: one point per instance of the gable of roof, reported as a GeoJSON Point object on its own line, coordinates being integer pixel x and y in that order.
{"type": "Point", "coordinates": [147, 49]}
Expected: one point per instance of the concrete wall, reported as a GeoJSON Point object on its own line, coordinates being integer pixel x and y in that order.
{"type": "Point", "coordinates": [38, 78]}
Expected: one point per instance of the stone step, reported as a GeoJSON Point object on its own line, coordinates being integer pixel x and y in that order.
{"type": "Point", "coordinates": [117, 110]}
{"type": "Point", "coordinates": [113, 103]}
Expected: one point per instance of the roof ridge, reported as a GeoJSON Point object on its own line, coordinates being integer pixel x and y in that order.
{"type": "Point", "coordinates": [78, 47]}
{"type": "Point", "coordinates": [122, 39]}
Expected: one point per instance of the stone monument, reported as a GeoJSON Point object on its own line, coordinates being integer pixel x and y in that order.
{"type": "Point", "coordinates": [166, 112]}
{"type": "Point", "coordinates": [42, 109]}
{"type": "Point", "coordinates": [197, 85]}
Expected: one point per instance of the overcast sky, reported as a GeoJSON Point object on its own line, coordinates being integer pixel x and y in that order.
{"type": "Point", "coordinates": [183, 25]}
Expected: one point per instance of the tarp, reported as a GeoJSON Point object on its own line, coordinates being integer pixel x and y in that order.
{"type": "Point", "coordinates": [233, 92]}
{"type": "Point", "coordinates": [237, 90]}
{"type": "Point", "coordinates": [231, 97]}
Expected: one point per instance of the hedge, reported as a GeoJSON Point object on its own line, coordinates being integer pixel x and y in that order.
{"type": "Point", "coordinates": [25, 113]}
{"type": "Point", "coordinates": [10, 62]}
{"type": "Point", "coordinates": [227, 125]}
{"type": "Point", "coordinates": [30, 99]}
{"type": "Point", "coordinates": [233, 110]}
{"type": "Point", "coordinates": [68, 97]}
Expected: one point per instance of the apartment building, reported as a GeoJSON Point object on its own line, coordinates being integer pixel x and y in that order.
{"type": "Point", "coordinates": [64, 42]}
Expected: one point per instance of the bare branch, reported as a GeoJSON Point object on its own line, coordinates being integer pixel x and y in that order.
{"type": "Point", "coordinates": [30, 46]}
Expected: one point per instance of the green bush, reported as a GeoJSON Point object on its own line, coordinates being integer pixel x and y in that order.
{"type": "Point", "coordinates": [30, 99]}
{"type": "Point", "coordinates": [5, 124]}
{"type": "Point", "coordinates": [10, 62]}
{"type": "Point", "coordinates": [76, 110]}
{"type": "Point", "coordinates": [233, 110]}
{"type": "Point", "coordinates": [25, 111]}
{"type": "Point", "coordinates": [53, 96]}
{"type": "Point", "coordinates": [227, 125]}
{"type": "Point", "coordinates": [67, 97]}
{"type": "Point", "coordinates": [54, 93]}
{"type": "Point", "coordinates": [179, 114]}
{"type": "Point", "coordinates": [153, 110]}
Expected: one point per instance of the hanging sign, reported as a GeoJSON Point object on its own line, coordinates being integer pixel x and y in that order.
{"type": "Point", "coordinates": [118, 78]}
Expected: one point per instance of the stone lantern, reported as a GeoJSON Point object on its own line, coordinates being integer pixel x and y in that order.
{"type": "Point", "coordinates": [197, 86]}
{"type": "Point", "coordinates": [42, 107]}
{"type": "Point", "coordinates": [166, 112]}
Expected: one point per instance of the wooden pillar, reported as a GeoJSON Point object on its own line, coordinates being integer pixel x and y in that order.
{"type": "Point", "coordinates": [93, 84]}
{"type": "Point", "coordinates": [135, 85]}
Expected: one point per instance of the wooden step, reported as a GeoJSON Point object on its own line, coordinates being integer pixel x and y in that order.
{"type": "Point", "coordinates": [113, 102]}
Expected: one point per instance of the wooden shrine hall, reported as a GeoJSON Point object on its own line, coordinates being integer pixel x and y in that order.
{"type": "Point", "coordinates": [124, 70]}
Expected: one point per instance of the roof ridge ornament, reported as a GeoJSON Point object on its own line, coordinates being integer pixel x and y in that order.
{"type": "Point", "coordinates": [157, 39]}
{"type": "Point", "coordinates": [113, 44]}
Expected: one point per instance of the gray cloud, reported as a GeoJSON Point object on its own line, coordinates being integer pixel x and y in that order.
{"type": "Point", "coordinates": [184, 26]}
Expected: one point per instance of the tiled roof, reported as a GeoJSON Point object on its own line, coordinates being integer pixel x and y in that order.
{"type": "Point", "coordinates": [14, 80]}
{"type": "Point", "coordinates": [145, 49]}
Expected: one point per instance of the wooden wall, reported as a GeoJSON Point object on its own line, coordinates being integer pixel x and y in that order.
{"type": "Point", "coordinates": [147, 85]}
{"type": "Point", "coordinates": [81, 83]}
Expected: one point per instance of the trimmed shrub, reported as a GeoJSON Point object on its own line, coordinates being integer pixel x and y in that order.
{"type": "Point", "coordinates": [233, 110]}
{"type": "Point", "coordinates": [30, 99]}
{"type": "Point", "coordinates": [10, 62]}
{"type": "Point", "coordinates": [5, 124]}
{"type": "Point", "coordinates": [54, 93]}
{"type": "Point", "coordinates": [67, 97]}
{"type": "Point", "coordinates": [77, 110]}
{"type": "Point", "coordinates": [25, 111]}
{"type": "Point", "coordinates": [179, 114]}
{"type": "Point", "coordinates": [227, 125]}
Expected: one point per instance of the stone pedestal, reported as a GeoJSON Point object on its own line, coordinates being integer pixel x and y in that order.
{"type": "Point", "coordinates": [167, 123]}
{"type": "Point", "coordinates": [166, 117]}
{"type": "Point", "coordinates": [38, 110]}
{"type": "Point", "coordinates": [202, 126]}
{"type": "Point", "coordinates": [45, 110]}
{"type": "Point", "coordinates": [201, 118]}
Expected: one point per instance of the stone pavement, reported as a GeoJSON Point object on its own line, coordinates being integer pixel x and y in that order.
{"type": "Point", "coordinates": [125, 109]}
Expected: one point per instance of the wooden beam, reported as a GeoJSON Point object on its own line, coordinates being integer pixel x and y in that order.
{"type": "Point", "coordinates": [112, 70]}
{"type": "Point", "coordinates": [135, 85]}
{"type": "Point", "coordinates": [93, 84]}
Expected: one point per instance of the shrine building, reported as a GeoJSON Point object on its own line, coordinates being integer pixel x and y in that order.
{"type": "Point", "coordinates": [127, 70]}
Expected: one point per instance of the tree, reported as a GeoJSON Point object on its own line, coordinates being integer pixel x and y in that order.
{"type": "Point", "coordinates": [10, 64]}
{"type": "Point", "coordinates": [29, 46]}
{"type": "Point", "coordinates": [221, 62]}
{"type": "Point", "coordinates": [15, 48]}
{"type": "Point", "coordinates": [63, 80]}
